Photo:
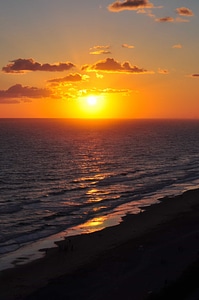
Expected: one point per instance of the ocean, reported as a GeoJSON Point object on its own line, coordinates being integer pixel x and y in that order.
{"type": "Point", "coordinates": [61, 177]}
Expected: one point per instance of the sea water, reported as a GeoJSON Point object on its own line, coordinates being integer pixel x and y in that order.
{"type": "Point", "coordinates": [61, 177]}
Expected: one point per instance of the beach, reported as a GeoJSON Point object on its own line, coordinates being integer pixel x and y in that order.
{"type": "Point", "coordinates": [132, 260]}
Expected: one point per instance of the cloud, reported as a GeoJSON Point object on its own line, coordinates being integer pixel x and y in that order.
{"type": "Point", "coordinates": [177, 46]}
{"type": "Point", "coordinates": [21, 65]}
{"type": "Point", "coordinates": [100, 50]}
{"type": "Point", "coordinates": [113, 66]}
{"type": "Point", "coordinates": [165, 20]}
{"type": "Point", "coordinates": [85, 92]}
{"type": "Point", "coordinates": [184, 11]}
{"type": "Point", "coordinates": [127, 46]}
{"type": "Point", "coordinates": [195, 75]}
{"type": "Point", "coordinates": [163, 71]}
{"type": "Point", "coordinates": [148, 12]}
{"type": "Point", "coordinates": [18, 93]}
{"type": "Point", "coordinates": [68, 78]}
{"type": "Point", "coordinates": [99, 47]}
{"type": "Point", "coordinates": [115, 91]}
{"type": "Point", "coordinates": [129, 5]}
{"type": "Point", "coordinates": [99, 76]}
{"type": "Point", "coordinates": [181, 20]}
{"type": "Point", "coordinates": [97, 52]}
{"type": "Point", "coordinates": [171, 20]}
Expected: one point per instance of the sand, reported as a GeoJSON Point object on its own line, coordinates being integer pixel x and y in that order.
{"type": "Point", "coordinates": [131, 260]}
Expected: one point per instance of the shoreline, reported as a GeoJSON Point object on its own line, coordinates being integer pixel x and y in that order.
{"type": "Point", "coordinates": [30, 252]}
{"type": "Point", "coordinates": [79, 251]}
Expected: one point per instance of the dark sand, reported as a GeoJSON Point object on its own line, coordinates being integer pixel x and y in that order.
{"type": "Point", "coordinates": [142, 255]}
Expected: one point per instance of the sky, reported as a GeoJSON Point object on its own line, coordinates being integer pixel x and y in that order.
{"type": "Point", "coordinates": [99, 59]}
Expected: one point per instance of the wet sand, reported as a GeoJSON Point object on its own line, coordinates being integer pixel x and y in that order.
{"type": "Point", "coordinates": [143, 254]}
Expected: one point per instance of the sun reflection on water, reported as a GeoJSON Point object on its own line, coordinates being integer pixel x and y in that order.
{"type": "Point", "coordinates": [94, 224]}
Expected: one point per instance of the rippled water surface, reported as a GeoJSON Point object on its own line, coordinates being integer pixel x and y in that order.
{"type": "Point", "coordinates": [56, 174]}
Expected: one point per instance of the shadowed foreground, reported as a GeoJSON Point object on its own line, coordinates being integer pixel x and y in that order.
{"type": "Point", "coordinates": [144, 257]}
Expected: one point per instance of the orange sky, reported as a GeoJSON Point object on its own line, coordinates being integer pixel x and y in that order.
{"type": "Point", "coordinates": [134, 60]}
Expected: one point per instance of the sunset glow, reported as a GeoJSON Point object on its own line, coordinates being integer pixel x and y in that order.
{"type": "Point", "coordinates": [69, 68]}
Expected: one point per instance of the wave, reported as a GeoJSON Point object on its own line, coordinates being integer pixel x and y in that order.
{"type": "Point", "coordinates": [70, 174]}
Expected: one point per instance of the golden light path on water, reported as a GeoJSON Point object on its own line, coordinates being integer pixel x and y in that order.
{"type": "Point", "coordinates": [99, 223]}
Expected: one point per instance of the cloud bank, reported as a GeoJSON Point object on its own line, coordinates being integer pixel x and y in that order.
{"type": "Point", "coordinates": [22, 93]}
{"type": "Point", "coordinates": [22, 65]}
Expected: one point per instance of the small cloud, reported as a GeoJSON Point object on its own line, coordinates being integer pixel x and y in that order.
{"type": "Point", "coordinates": [85, 92]}
{"type": "Point", "coordinates": [99, 47]}
{"type": "Point", "coordinates": [115, 91]}
{"type": "Point", "coordinates": [112, 66]}
{"type": "Point", "coordinates": [171, 20]}
{"type": "Point", "coordinates": [141, 11]}
{"type": "Point", "coordinates": [177, 46]}
{"type": "Point", "coordinates": [181, 20]}
{"type": "Point", "coordinates": [195, 75]}
{"type": "Point", "coordinates": [184, 11]}
{"type": "Point", "coordinates": [147, 12]}
{"type": "Point", "coordinates": [165, 20]}
{"type": "Point", "coordinates": [68, 78]}
{"type": "Point", "coordinates": [17, 92]}
{"type": "Point", "coordinates": [118, 6]}
{"type": "Point", "coordinates": [127, 46]}
{"type": "Point", "coordinates": [181, 11]}
{"type": "Point", "coordinates": [96, 50]}
{"type": "Point", "coordinates": [163, 71]}
{"type": "Point", "coordinates": [22, 65]}
{"type": "Point", "coordinates": [100, 76]}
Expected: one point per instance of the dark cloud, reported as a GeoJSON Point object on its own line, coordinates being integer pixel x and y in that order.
{"type": "Point", "coordinates": [17, 92]}
{"type": "Point", "coordinates": [165, 19]}
{"type": "Point", "coordinates": [129, 5]}
{"type": "Point", "coordinates": [21, 65]}
{"type": "Point", "coordinates": [113, 66]}
{"type": "Point", "coordinates": [195, 75]}
{"type": "Point", "coordinates": [184, 11]}
{"type": "Point", "coordinates": [68, 78]}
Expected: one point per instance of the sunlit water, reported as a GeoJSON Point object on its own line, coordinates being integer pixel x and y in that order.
{"type": "Point", "coordinates": [69, 177]}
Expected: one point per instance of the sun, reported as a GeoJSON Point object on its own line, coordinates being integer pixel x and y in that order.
{"type": "Point", "coordinates": [92, 106]}
{"type": "Point", "coordinates": [91, 100]}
